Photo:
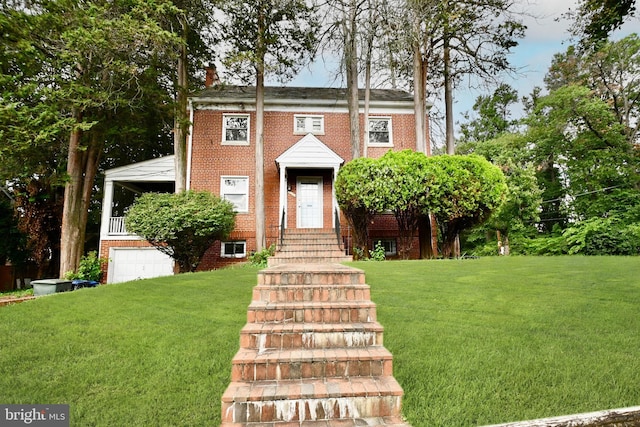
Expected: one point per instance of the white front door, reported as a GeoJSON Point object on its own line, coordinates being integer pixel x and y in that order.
{"type": "Point", "coordinates": [309, 202]}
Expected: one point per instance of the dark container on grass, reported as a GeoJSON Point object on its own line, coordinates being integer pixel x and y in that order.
{"type": "Point", "coordinates": [78, 284]}
{"type": "Point", "coordinates": [50, 286]}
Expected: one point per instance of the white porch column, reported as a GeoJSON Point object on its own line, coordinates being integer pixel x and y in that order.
{"type": "Point", "coordinates": [334, 200]}
{"type": "Point", "coordinates": [107, 203]}
{"type": "Point", "coordinates": [283, 196]}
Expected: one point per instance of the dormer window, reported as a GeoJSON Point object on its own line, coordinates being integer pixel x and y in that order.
{"type": "Point", "coordinates": [235, 129]}
{"type": "Point", "coordinates": [308, 124]}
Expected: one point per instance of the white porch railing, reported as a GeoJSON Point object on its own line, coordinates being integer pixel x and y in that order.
{"type": "Point", "coordinates": [116, 226]}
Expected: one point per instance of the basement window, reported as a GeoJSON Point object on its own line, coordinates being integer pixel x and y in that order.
{"type": "Point", "coordinates": [389, 246]}
{"type": "Point", "coordinates": [233, 249]}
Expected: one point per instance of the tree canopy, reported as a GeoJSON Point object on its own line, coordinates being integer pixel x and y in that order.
{"type": "Point", "coordinates": [460, 191]}
{"type": "Point", "coordinates": [581, 139]}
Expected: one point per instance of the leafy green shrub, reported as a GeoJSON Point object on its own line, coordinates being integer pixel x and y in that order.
{"type": "Point", "coordinates": [377, 254]}
{"type": "Point", "coordinates": [90, 268]}
{"type": "Point", "coordinates": [182, 225]}
{"type": "Point", "coordinates": [603, 236]}
{"type": "Point", "coordinates": [260, 258]}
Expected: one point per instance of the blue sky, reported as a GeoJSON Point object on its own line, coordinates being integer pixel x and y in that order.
{"type": "Point", "coordinates": [545, 36]}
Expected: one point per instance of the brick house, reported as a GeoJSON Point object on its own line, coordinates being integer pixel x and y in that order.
{"type": "Point", "coordinates": [306, 141]}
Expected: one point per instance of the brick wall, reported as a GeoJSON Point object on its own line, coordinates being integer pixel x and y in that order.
{"type": "Point", "coordinates": [210, 159]}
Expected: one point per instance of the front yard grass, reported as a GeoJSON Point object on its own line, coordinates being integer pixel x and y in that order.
{"type": "Point", "coordinates": [474, 341]}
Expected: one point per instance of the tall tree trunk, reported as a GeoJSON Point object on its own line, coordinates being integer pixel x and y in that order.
{"type": "Point", "coordinates": [419, 99]}
{"type": "Point", "coordinates": [448, 98]}
{"type": "Point", "coordinates": [82, 166]}
{"type": "Point", "coordinates": [367, 85]}
{"type": "Point", "coordinates": [91, 161]}
{"type": "Point", "coordinates": [180, 127]}
{"type": "Point", "coordinates": [426, 225]}
{"type": "Point", "coordinates": [71, 245]}
{"type": "Point", "coordinates": [259, 193]}
{"type": "Point", "coordinates": [351, 64]}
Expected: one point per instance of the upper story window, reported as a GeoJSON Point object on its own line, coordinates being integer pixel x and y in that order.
{"type": "Point", "coordinates": [308, 124]}
{"type": "Point", "coordinates": [380, 131]}
{"type": "Point", "coordinates": [235, 129]}
{"type": "Point", "coordinates": [236, 190]}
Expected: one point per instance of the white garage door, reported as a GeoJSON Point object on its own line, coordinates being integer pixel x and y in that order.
{"type": "Point", "coordinates": [140, 263]}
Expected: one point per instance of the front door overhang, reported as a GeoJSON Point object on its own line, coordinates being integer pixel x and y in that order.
{"type": "Point", "coordinates": [308, 153]}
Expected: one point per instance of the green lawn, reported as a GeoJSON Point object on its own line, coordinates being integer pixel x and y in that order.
{"type": "Point", "coordinates": [474, 342]}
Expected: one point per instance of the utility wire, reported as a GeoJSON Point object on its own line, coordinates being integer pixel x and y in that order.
{"type": "Point", "coordinates": [583, 194]}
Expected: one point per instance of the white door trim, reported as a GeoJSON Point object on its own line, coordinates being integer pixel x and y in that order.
{"type": "Point", "coordinates": [310, 203]}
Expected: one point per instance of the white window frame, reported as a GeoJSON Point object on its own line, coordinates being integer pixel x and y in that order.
{"type": "Point", "coordinates": [389, 129]}
{"type": "Point", "coordinates": [308, 125]}
{"type": "Point", "coordinates": [224, 129]}
{"type": "Point", "coordinates": [223, 253]}
{"type": "Point", "coordinates": [393, 243]}
{"type": "Point", "coordinates": [224, 192]}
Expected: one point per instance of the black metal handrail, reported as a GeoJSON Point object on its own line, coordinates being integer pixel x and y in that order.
{"type": "Point", "coordinates": [282, 228]}
{"type": "Point", "coordinates": [337, 227]}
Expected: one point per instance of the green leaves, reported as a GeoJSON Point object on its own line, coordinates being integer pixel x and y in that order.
{"type": "Point", "coordinates": [461, 191]}
{"type": "Point", "coordinates": [182, 225]}
{"type": "Point", "coordinates": [278, 36]}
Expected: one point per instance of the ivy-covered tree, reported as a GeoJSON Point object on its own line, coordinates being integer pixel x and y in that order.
{"type": "Point", "coordinates": [181, 225]}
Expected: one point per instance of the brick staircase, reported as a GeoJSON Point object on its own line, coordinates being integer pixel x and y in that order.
{"type": "Point", "coordinates": [308, 246]}
{"type": "Point", "coordinates": [311, 354]}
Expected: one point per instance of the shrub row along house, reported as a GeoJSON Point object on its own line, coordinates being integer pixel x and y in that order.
{"type": "Point", "coordinates": [306, 141]}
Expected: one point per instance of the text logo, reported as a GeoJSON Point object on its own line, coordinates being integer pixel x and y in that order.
{"type": "Point", "coordinates": [34, 415]}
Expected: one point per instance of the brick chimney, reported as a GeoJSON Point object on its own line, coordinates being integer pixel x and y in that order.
{"type": "Point", "coordinates": [211, 76]}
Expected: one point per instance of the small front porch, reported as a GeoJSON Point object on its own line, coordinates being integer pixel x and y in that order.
{"type": "Point", "coordinates": [307, 199]}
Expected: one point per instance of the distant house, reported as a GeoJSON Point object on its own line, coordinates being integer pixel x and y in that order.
{"type": "Point", "coordinates": [306, 141]}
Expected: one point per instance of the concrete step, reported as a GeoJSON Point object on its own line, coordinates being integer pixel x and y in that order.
{"type": "Point", "coordinates": [276, 261]}
{"type": "Point", "coordinates": [270, 336]}
{"type": "Point", "coordinates": [353, 422]}
{"type": "Point", "coordinates": [348, 312]}
{"type": "Point", "coordinates": [311, 400]}
{"type": "Point", "coordinates": [311, 250]}
{"type": "Point", "coordinates": [293, 364]}
{"type": "Point", "coordinates": [311, 293]}
{"type": "Point", "coordinates": [311, 274]}
{"type": "Point", "coordinates": [308, 247]}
